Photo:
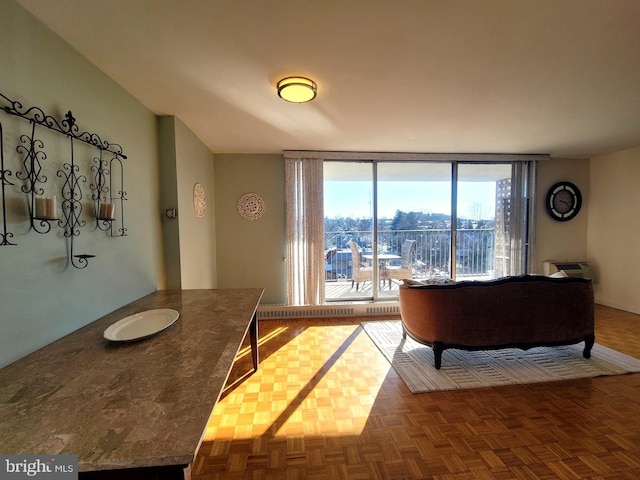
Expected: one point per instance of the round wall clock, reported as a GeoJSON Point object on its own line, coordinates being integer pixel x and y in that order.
{"type": "Point", "coordinates": [563, 201]}
{"type": "Point", "coordinates": [251, 206]}
{"type": "Point", "coordinates": [199, 200]}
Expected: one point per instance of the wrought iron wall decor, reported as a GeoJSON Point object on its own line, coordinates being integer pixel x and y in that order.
{"type": "Point", "coordinates": [33, 153]}
{"type": "Point", "coordinates": [108, 193]}
{"type": "Point", "coordinates": [4, 235]}
{"type": "Point", "coordinates": [108, 198]}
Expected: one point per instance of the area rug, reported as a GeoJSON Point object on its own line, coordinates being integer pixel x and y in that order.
{"type": "Point", "coordinates": [463, 369]}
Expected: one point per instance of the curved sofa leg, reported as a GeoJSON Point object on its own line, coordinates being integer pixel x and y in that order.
{"type": "Point", "coordinates": [588, 344]}
{"type": "Point", "coordinates": [404, 331]}
{"type": "Point", "coordinates": [438, 348]}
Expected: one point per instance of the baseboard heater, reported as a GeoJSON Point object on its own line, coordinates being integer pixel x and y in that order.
{"type": "Point", "coordinates": [270, 312]}
{"type": "Point", "coordinates": [572, 269]}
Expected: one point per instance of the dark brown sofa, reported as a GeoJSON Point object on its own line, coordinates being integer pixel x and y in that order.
{"type": "Point", "coordinates": [511, 312]}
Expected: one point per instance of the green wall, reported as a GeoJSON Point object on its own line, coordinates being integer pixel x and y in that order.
{"type": "Point", "coordinates": [194, 165]}
{"type": "Point", "coordinates": [251, 253]}
{"type": "Point", "coordinates": [169, 199]}
{"type": "Point", "coordinates": [42, 297]}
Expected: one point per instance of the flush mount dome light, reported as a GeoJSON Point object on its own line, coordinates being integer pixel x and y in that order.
{"type": "Point", "coordinates": [297, 89]}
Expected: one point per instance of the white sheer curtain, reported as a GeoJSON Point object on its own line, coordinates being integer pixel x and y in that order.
{"type": "Point", "coordinates": [304, 229]}
{"type": "Point", "coordinates": [522, 188]}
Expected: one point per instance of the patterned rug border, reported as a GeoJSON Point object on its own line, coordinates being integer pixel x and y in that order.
{"type": "Point", "coordinates": [463, 369]}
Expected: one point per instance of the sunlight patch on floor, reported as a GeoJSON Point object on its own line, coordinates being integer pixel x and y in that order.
{"type": "Point", "coordinates": [305, 387]}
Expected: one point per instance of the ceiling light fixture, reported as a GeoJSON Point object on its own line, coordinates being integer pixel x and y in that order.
{"type": "Point", "coordinates": [297, 89]}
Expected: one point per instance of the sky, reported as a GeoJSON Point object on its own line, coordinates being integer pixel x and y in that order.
{"type": "Point", "coordinates": [354, 198]}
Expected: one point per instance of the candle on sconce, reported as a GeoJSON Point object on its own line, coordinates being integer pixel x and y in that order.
{"type": "Point", "coordinates": [107, 211]}
{"type": "Point", "coordinates": [41, 207]}
{"type": "Point", "coordinates": [46, 208]}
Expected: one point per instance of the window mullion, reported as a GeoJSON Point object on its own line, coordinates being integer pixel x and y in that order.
{"type": "Point", "coordinates": [374, 244]}
{"type": "Point", "coordinates": [454, 219]}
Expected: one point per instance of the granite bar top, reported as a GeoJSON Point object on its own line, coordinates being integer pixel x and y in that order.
{"type": "Point", "coordinates": [127, 405]}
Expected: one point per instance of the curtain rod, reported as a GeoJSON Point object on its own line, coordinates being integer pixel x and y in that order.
{"type": "Point", "coordinates": [486, 157]}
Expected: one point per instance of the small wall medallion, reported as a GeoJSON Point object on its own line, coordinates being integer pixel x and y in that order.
{"type": "Point", "coordinates": [199, 200]}
{"type": "Point", "coordinates": [251, 206]}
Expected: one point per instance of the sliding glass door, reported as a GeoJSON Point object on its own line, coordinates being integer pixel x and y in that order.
{"type": "Point", "coordinates": [348, 229]}
{"type": "Point", "coordinates": [414, 222]}
{"type": "Point", "coordinates": [483, 236]}
{"type": "Point", "coordinates": [390, 220]}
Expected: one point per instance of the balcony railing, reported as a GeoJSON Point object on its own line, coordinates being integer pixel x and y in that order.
{"type": "Point", "coordinates": [475, 251]}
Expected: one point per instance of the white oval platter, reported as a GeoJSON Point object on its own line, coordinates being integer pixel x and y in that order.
{"type": "Point", "coordinates": [141, 325]}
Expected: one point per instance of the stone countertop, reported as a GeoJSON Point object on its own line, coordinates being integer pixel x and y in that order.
{"type": "Point", "coordinates": [127, 405]}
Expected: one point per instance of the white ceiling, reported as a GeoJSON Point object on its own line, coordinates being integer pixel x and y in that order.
{"type": "Point", "coordinates": [472, 76]}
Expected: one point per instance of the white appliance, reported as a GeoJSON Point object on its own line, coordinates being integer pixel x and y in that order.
{"type": "Point", "coordinates": [572, 269]}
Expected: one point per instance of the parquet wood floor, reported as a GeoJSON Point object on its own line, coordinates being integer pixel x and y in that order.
{"type": "Point", "coordinates": [325, 404]}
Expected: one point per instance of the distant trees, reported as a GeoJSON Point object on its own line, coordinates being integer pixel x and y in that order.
{"type": "Point", "coordinates": [347, 224]}
{"type": "Point", "coordinates": [419, 221]}
{"type": "Point", "coordinates": [404, 221]}
{"type": "Point", "coordinates": [340, 231]}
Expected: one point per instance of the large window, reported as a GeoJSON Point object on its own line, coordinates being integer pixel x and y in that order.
{"type": "Point", "coordinates": [389, 220]}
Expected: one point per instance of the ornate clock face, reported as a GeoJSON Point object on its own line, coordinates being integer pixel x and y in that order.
{"type": "Point", "coordinates": [563, 201]}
